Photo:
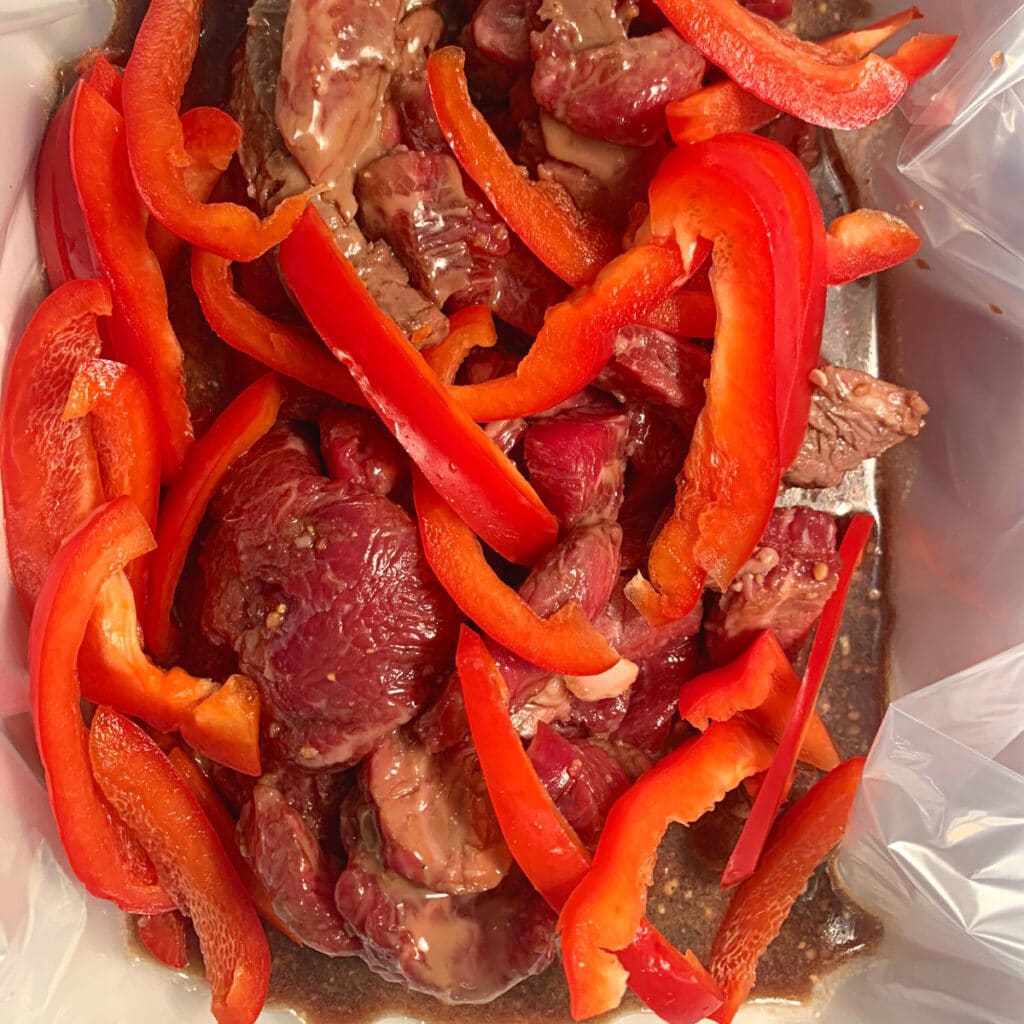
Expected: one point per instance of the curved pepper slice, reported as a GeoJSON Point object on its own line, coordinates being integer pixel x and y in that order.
{"type": "Point", "coordinates": [155, 803]}
{"type": "Point", "coordinates": [761, 685]}
{"type": "Point", "coordinates": [801, 78]}
{"type": "Point", "coordinates": [469, 328]}
{"type": "Point", "coordinates": [557, 234]}
{"type": "Point", "coordinates": [773, 791]}
{"type": "Point", "coordinates": [51, 477]}
{"type": "Point", "coordinates": [686, 314]}
{"type": "Point", "coordinates": [154, 80]}
{"type": "Point", "coordinates": [799, 842]}
{"type": "Point", "coordinates": [165, 937]}
{"type": "Point", "coordinates": [290, 351]}
{"type": "Point", "coordinates": [140, 331]}
{"type": "Point", "coordinates": [230, 436]}
{"type": "Point", "coordinates": [604, 911]}
{"type": "Point", "coordinates": [100, 851]}
{"type": "Point", "coordinates": [224, 825]}
{"type": "Point", "coordinates": [578, 335]}
{"type": "Point", "coordinates": [724, 107]}
{"type": "Point", "coordinates": [566, 642]}
{"type": "Point", "coordinates": [126, 434]}
{"type": "Point", "coordinates": [462, 463]}
{"type": "Point", "coordinates": [866, 242]}
{"type": "Point", "coordinates": [712, 190]}
{"type": "Point", "coordinates": [550, 854]}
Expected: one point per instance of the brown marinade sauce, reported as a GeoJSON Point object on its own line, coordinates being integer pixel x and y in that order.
{"type": "Point", "coordinates": [824, 930]}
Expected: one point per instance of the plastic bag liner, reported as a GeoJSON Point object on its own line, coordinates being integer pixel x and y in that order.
{"type": "Point", "coordinates": [936, 843]}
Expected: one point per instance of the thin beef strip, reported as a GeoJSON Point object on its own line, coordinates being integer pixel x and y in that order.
{"type": "Point", "coordinates": [854, 416]}
{"type": "Point", "coordinates": [460, 949]}
{"type": "Point", "coordinates": [434, 817]}
{"type": "Point", "coordinates": [326, 597]}
{"type": "Point", "coordinates": [783, 587]}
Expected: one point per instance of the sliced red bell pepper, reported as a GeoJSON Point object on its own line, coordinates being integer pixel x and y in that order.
{"type": "Point", "coordinates": [105, 79]}
{"type": "Point", "coordinates": [675, 986]}
{"type": "Point", "coordinates": [866, 242]}
{"type": "Point", "coordinates": [555, 231]}
{"type": "Point", "coordinates": [578, 335]}
{"type": "Point", "coordinates": [602, 914]}
{"type": "Point", "coordinates": [761, 685]}
{"type": "Point", "coordinates": [565, 642]}
{"type": "Point", "coordinates": [225, 727]}
{"type": "Point", "coordinates": [126, 434]}
{"type": "Point", "coordinates": [469, 328]}
{"type": "Point", "coordinates": [773, 792]}
{"type": "Point", "coordinates": [51, 477]}
{"type": "Point", "coordinates": [799, 842]}
{"type": "Point", "coordinates": [154, 80]}
{"type": "Point", "coordinates": [231, 435]}
{"type": "Point", "coordinates": [224, 825]}
{"type": "Point", "coordinates": [291, 351]}
{"type": "Point", "coordinates": [165, 936]}
{"type": "Point", "coordinates": [801, 78]}
{"type": "Point", "coordinates": [155, 803]}
{"type": "Point", "coordinates": [724, 107]}
{"type": "Point", "coordinates": [210, 138]}
{"type": "Point", "coordinates": [140, 331]}
{"type": "Point", "coordinates": [100, 851]}
{"type": "Point", "coordinates": [687, 314]}
{"type": "Point", "coordinates": [713, 190]}
{"type": "Point", "coordinates": [454, 454]}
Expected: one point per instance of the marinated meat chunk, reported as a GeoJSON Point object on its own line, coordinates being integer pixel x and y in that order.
{"type": "Point", "coordinates": [327, 599]}
{"type": "Point", "coordinates": [783, 587]}
{"type": "Point", "coordinates": [434, 817]}
{"type": "Point", "coordinates": [501, 30]}
{"type": "Point", "coordinates": [297, 872]}
{"type": "Point", "coordinates": [417, 36]}
{"type": "Point", "coordinates": [359, 453]}
{"type": "Point", "coordinates": [316, 797]}
{"type": "Point", "coordinates": [525, 288]}
{"type": "Point", "coordinates": [460, 949]}
{"type": "Point", "coordinates": [591, 23]}
{"type": "Point", "coordinates": [854, 416]}
{"type": "Point", "coordinates": [583, 780]}
{"type": "Point", "coordinates": [577, 463]}
{"type": "Point", "coordinates": [618, 91]}
{"type": "Point", "coordinates": [416, 116]}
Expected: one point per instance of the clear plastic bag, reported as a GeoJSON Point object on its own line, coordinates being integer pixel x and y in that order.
{"type": "Point", "coordinates": [936, 842]}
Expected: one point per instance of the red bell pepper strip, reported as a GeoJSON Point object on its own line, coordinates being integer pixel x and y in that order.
{"type": "Point", "coordinates": [713, 190]}
{"type": "Point", "coordinates": [210, 137]}
{"type": "Point", "coordinates": [100, 851]}
{"type": "Point", "coordinates": [155, 803]}
{"type": "Point", "coordinates": [140, 330]}
{"type": "Point", "coordinates": [232, 434]}
{"type": "Point", "coordinates": [773, 792]}
{"type": "Point", "coordinates": [154, 80]}
{"type": "Point", "coordinates": [675, 986]}
{"type": "Point", "coordinates": [126, 435]}
{"type": "Point", "coordinates": [105, 79]}
{"type": "Point", "coordinates": [462, 463]}
{"type": "Point", "coordinates": [555, 231]}
{"type": "Point", "coordinates": [50, 471]}
{"type": "Point", "coordinates": [866, 242]}
{"type": "Point", "coordinates": [565, 642]}
{"type": "Point", "coordinates": [165, 937]}
{"type": "Point", "coordinates": [225, 727]}
{"type": "Point", "coordinates": [224, 825]}
{"type": "Point", "coordinates": [578, 335]}
{"type": "Point", "coordinates": [687, 314]}
{"type": "Point", "coordinates": [469, 328]}
{"type": "Point", "coordinates": [602, 914]}
{"type": "Point", "coordinates": [290, 351]}
{"type": "Point", "coordinates": [724, 107]}
{"type": "Point", "coordinates": [799, 842]}
{"type": "Point", "coordinates": [761, 685]}
{"type": "Point", "coordinates": [800, 78]}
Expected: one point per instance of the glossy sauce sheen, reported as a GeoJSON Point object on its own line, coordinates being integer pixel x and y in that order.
{"type": "Point", "coordinates": [824, 930]}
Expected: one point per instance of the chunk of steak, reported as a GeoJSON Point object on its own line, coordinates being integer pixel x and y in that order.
{"type": "Point", "coordinates": [577, 463]}
{"type": "Point", "coordinates": [435, 819]}
{"type": "Point", "coordinates": [328, 601]}
{"type": "Point", "coordinates": [783, 587]}
{"type": "Point", "coordinates": [418, 121]}
{"type": "Point", "coordinates": [591, 23]}
{"type": "Point", "coordinates": [524, 288]}
{"type": "Point", "coordinates": [460, 949]}
{"type": "Point", "coordinates": [297, 872]}
{"type": "Point", "coordinates": [501, 31]}
{"type": "Point", "coordinates": [582, 779]}
{"type": "Point", "coordinates": [854, 416]}
{"type": "Point", "coordinates": [359, 453]}
{"type": "Point", "coordinates": [618, 91]}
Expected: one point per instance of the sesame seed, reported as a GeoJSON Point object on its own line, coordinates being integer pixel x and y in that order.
{"type": "Point", "coordinates": [820, 572]}
{"type": "Point", "coordinates": [818, 378]}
